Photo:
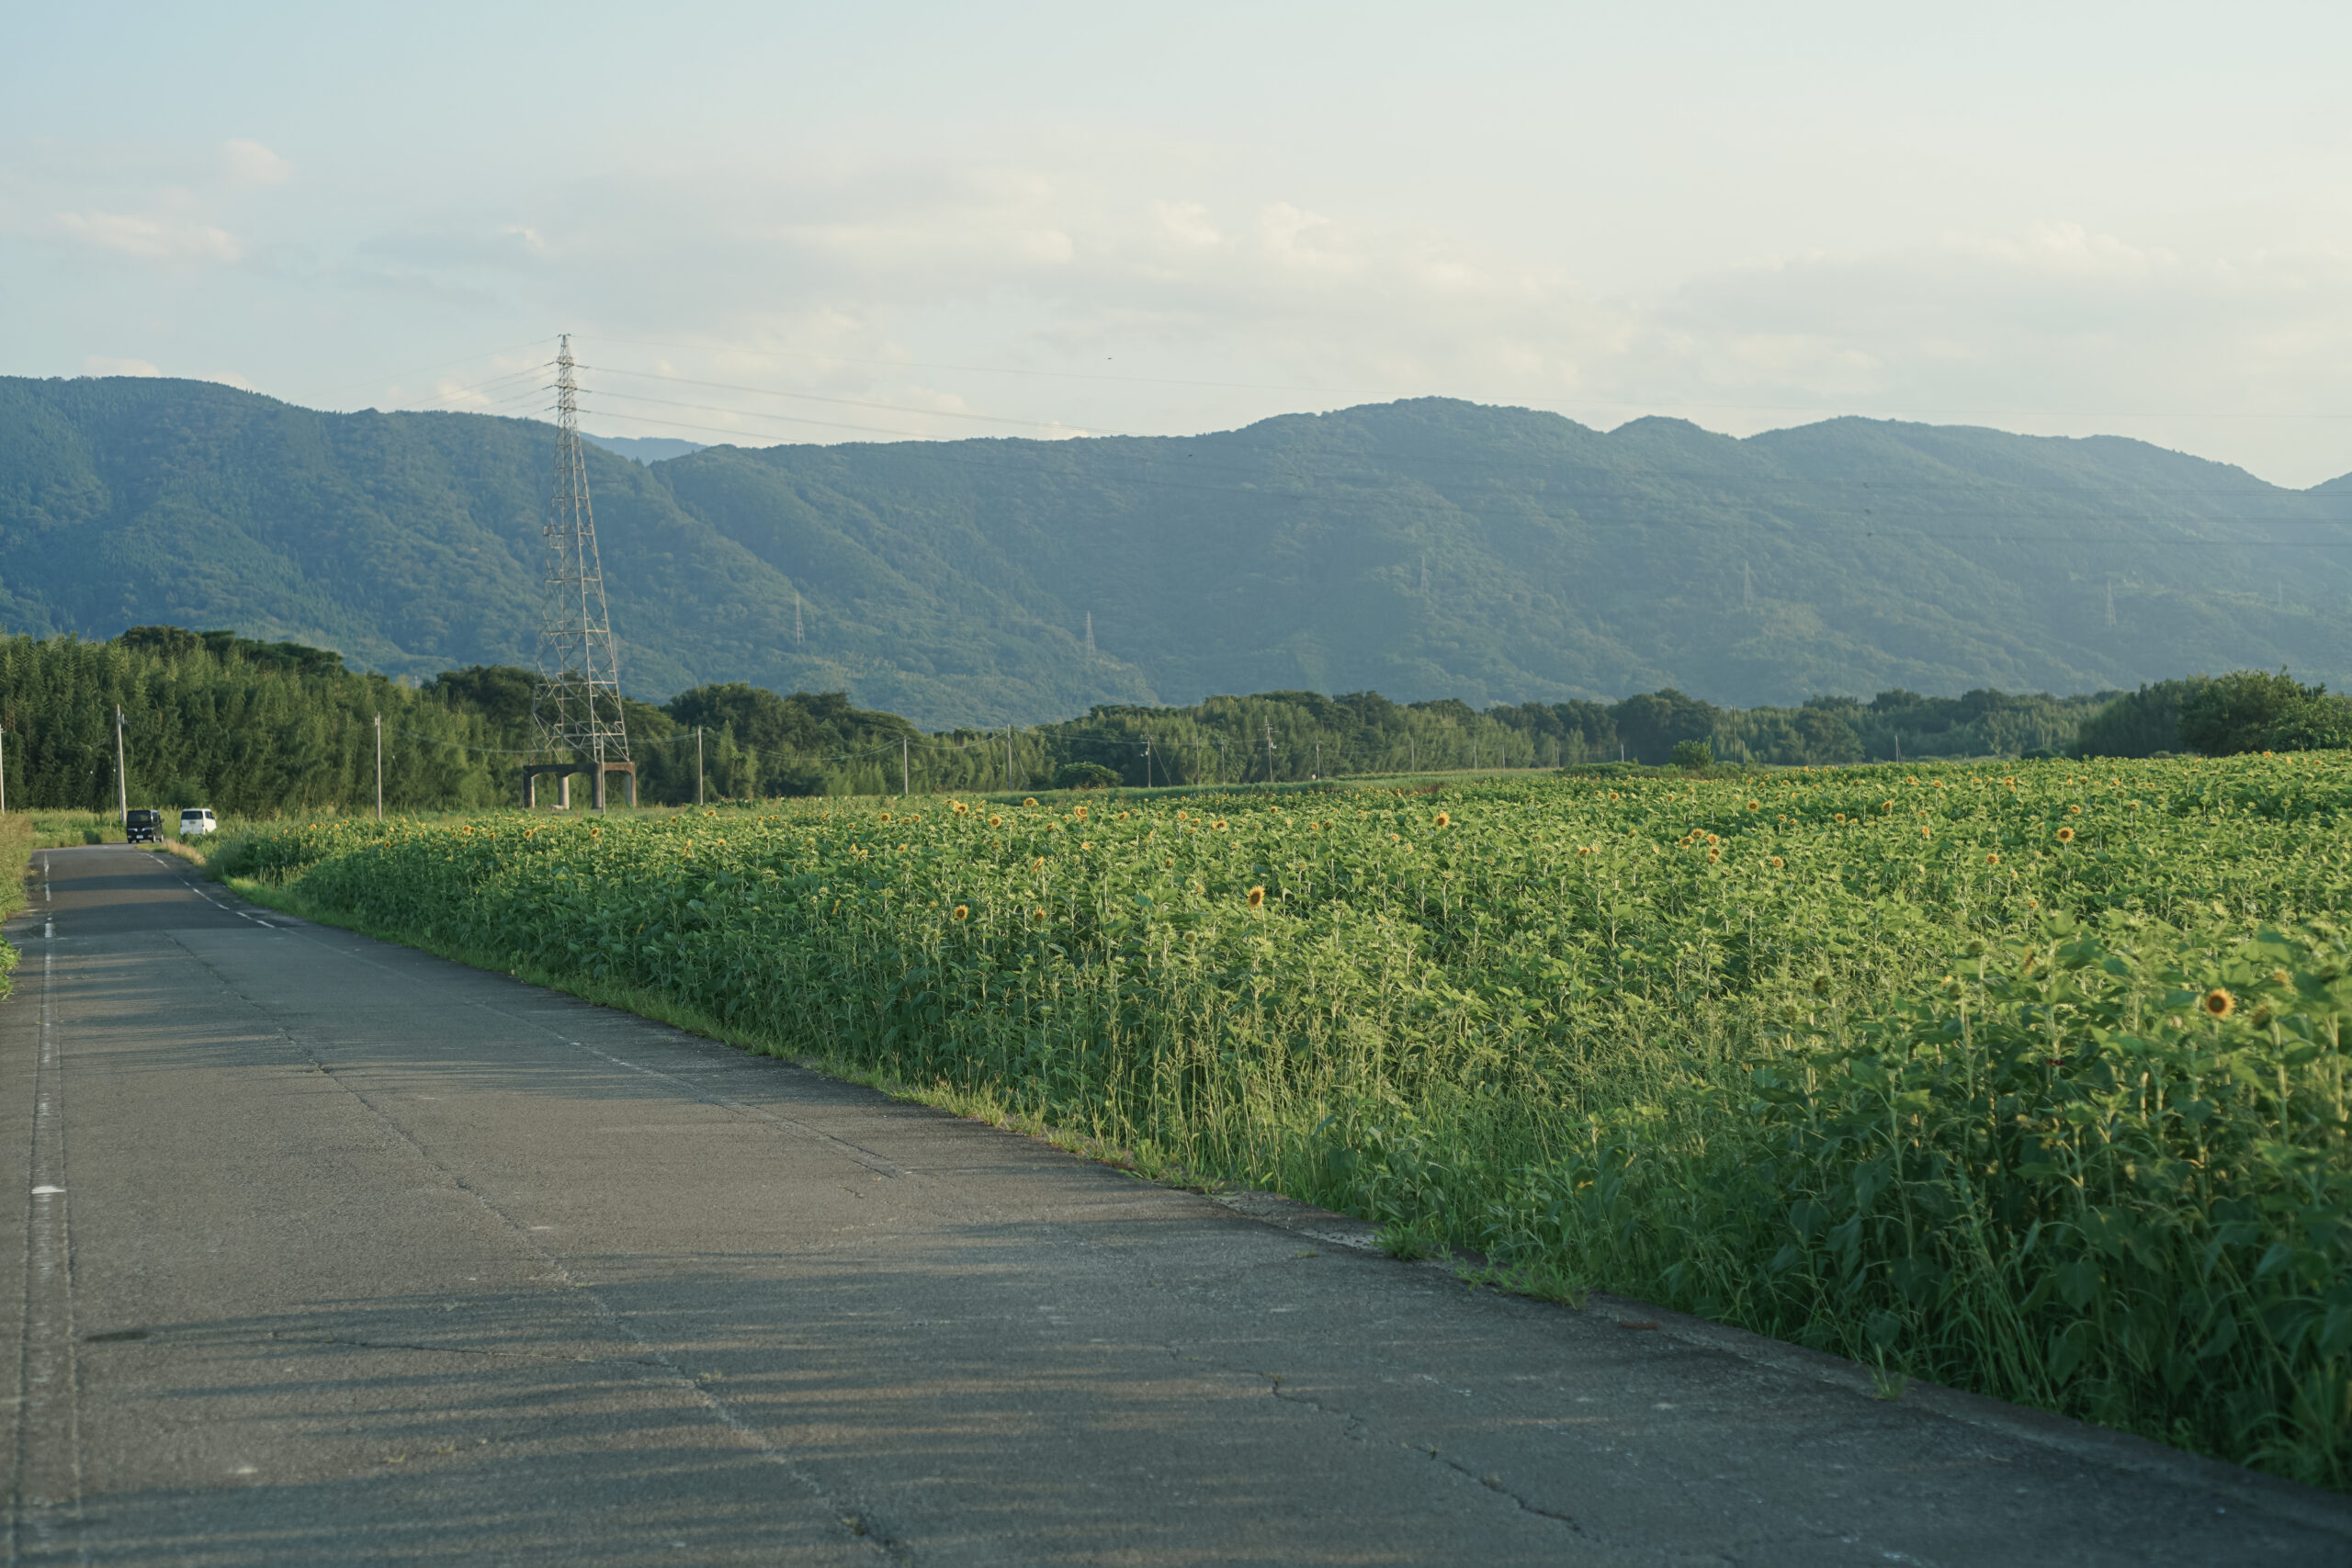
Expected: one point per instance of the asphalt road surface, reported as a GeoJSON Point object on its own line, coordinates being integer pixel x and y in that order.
{"type": "Point", "coordinates": [332, 1252]}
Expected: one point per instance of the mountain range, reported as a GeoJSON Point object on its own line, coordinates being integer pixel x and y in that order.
{"type": "Point", "coordinates": [1423, 548]}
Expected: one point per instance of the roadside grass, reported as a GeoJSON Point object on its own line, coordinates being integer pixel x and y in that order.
{"type": "Point", "coordinates": [18, 839]}
{"type": "Point", "coordinates": [2028, 1079]}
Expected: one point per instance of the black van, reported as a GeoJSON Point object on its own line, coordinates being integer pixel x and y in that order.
{"type": "Point", "coordinates": [142, 826]}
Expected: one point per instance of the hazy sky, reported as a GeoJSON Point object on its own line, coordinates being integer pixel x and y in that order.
{"type": "Point", "coordinates": [2063, 219]}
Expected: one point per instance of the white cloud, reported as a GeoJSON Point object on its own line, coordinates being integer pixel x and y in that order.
{"type": "Point", "coordinates": [251, 164]}
{"type": "Point", "coordinates": [1188, 222]}
{"type": "Point", "coordinates": [835, 276]}
{"type": "Point", "coordinates": [149, 239]}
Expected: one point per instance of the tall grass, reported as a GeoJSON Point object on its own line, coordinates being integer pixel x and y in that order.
{"type": "Point", "coordinates": [17, 841]}
{"type": "Point", "coordinates": [1930, 1067]}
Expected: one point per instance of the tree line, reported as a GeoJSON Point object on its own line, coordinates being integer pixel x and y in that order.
{"type": "Point", "coordinates": [256, 728]}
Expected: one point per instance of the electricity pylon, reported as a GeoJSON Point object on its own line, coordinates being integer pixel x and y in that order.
{"type": "Point", "coordinates": [577, 704]}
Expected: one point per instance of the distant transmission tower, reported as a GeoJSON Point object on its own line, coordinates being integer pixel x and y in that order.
{"type": "Point", "coordinates": [1089, 634]}
{"type": "Point", "coordinates": [797, 638]}
{"type": "Point", "coordinates": [577, 704]}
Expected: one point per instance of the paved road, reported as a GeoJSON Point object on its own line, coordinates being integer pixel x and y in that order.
{"type": "Point", "coordinates": [335, 1253]}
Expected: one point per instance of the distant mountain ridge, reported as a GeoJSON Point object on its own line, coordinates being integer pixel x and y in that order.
{"type": "Point", "coordinates": [1422, 548]}
{"type": "Point", "coordinates": [645, 449]}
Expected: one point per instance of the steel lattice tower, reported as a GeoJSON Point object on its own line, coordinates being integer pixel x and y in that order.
{"type": "Point", "coordinates": [577, 704]}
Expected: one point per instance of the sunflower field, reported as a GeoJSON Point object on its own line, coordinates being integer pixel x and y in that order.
{"type": "Point", "coordinates": [2027, 1078]}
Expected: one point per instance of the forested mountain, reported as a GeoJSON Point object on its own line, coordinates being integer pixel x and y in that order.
{"type": "Point", "coordinates": [1425, 549]}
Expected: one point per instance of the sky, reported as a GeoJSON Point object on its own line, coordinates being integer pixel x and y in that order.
{"type": "Point", "coordinates": [799, 223]}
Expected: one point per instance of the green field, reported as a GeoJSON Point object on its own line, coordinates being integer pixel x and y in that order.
{"type": "Point", "coordinates": [2028, 1078]}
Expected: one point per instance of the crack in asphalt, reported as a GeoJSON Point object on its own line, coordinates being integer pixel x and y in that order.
{"type": "Point", "coordinates": [465, 1350]}
{"type": "Point", "coordinates": [1356, 1429]}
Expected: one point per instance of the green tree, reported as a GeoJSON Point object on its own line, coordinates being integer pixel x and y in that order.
{"type": "Point", "coordinates": [1651, 723]}
{"type": "Point", "coordinates": [2249, 710]}
{"type": "Point", "coordinates": [2141, 723]}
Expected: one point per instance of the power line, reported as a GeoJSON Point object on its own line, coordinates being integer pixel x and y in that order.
{"type": "Point", "coordinates": [1255, 493]}
{"type": "Point", "coordinates": [819, 398]}
{"type": "Point", "coordinates": [447, 364]}
{"type": "Point", "coordinates": [1747, 495]}
{"type": "Point", "coordinates": [1828, 411]}
{"type": "Point", "coordinates": [1483, 465]}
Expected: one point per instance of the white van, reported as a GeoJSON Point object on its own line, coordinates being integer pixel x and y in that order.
{"type": "Point", "coordinates": [195, 820]}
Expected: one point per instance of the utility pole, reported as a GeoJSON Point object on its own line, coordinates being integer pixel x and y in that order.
{"type": "Point", "coordinates": [1147, 758]}
{"type": "Point", "coordinates": [697, 764]}
{"type": "Point", "coordinates": [379, 767]}
{"type": "Point", "coordinates": [4, 772]}
{"type": "Point", "coordinates": [1898, 747]}
{"type": "Point", "coordinates": [905, 788]}
{"type": "Point", "coordinates": [1412, 755]}
{"type": "Point", "coordinates": [1008, 756]}
{"type": "Point", "coordinates": [121, 782]}
{"type": "Point", "coordinates": [2111, 600]}
{"type": "Point", "coordinates": [797, 638]}
{"type": "Point", "coordinates": [1318, 756]}
{"type": "Point", "coordinates": [1269, 750]}
{"type": "Point", "coordinates": [1089, 634]}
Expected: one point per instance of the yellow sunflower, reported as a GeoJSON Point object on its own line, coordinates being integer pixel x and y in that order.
{"type": "Point", "coordinates": [2220, 1003]}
